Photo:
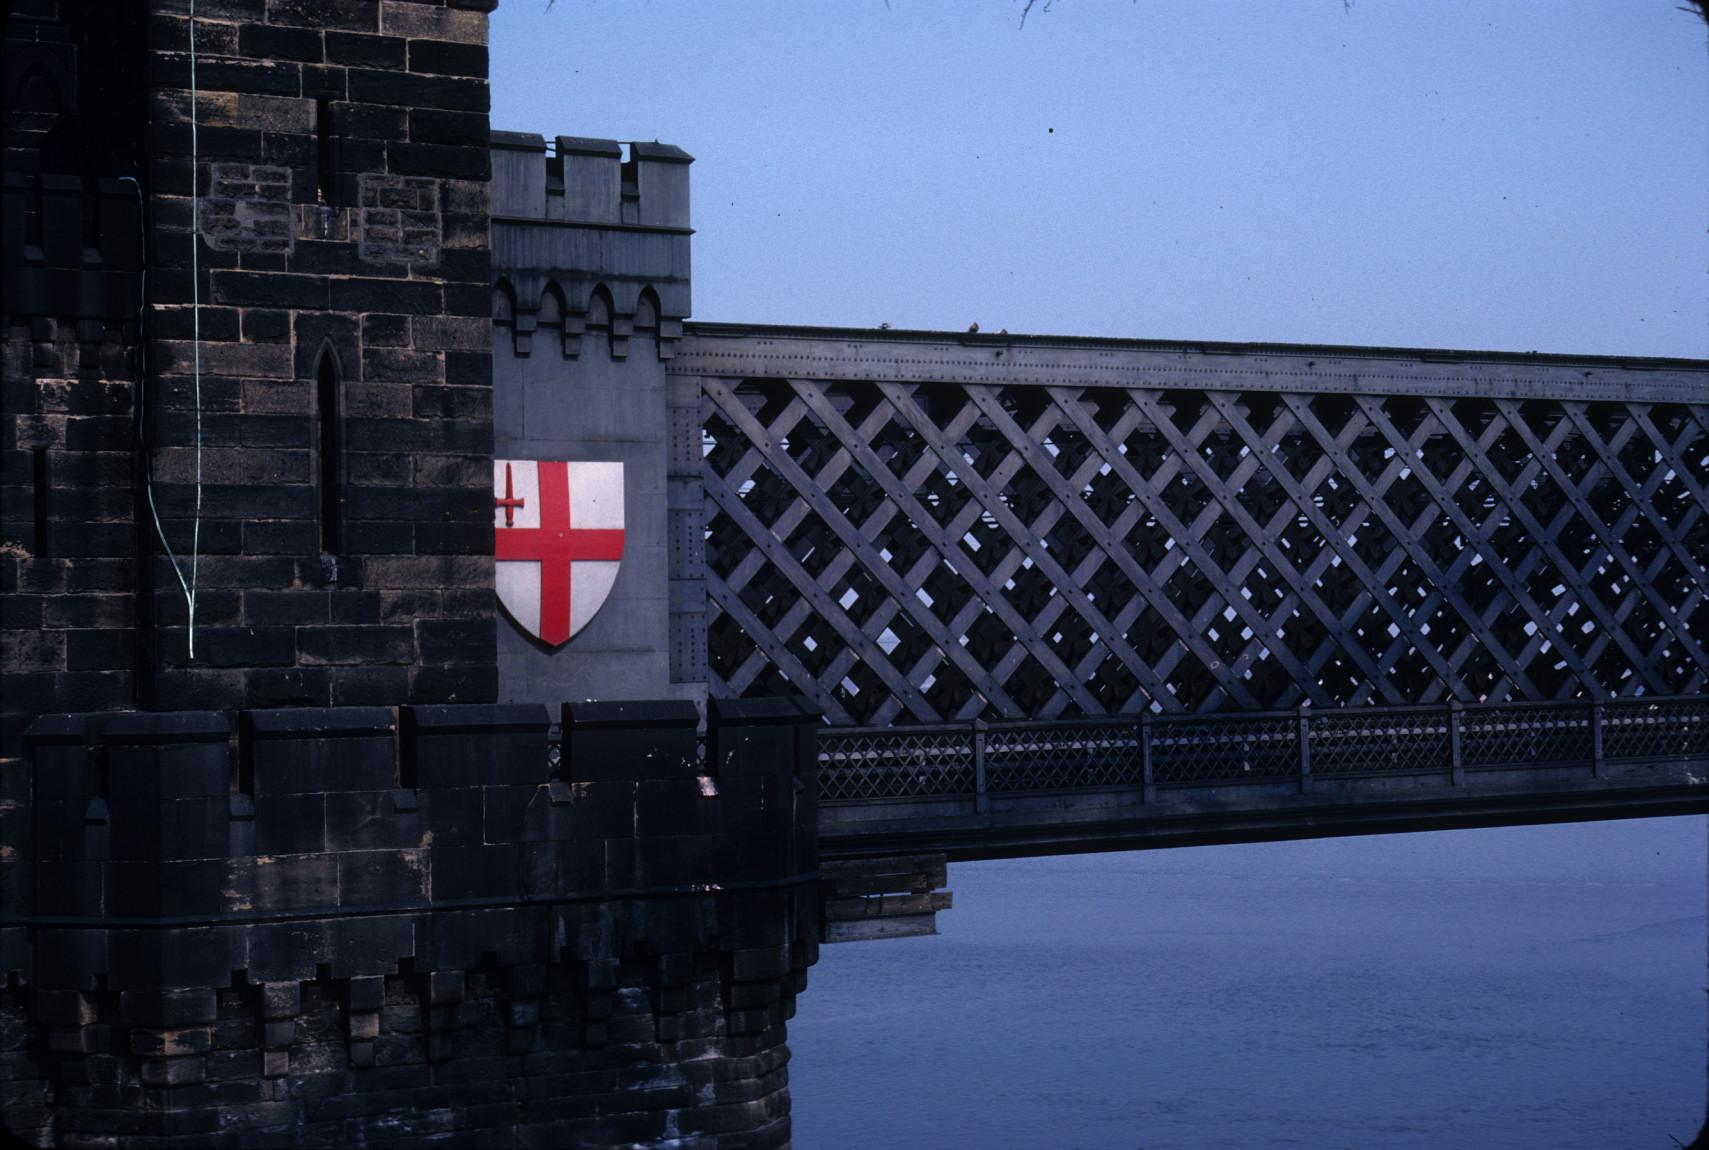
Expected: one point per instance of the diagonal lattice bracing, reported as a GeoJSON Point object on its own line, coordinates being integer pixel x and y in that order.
{"type": "Point", "coordinates": [940, 550]}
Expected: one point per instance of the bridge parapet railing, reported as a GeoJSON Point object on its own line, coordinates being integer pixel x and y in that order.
{"type": "Point", "coordinates": [1664, 728]}
{"type": "Point", "coordinates": [1218, 749]}
{"type": "Point", "coordinates": [857, 764]}
{"type": "Point", "coordinates": [1381, 741]}
{"type": "Point", "coordinates": [1527, 734]}
{"type": "Point", "coordinates": [1062, 755]}
{"type": "Point", "coordinates": [979, 759]}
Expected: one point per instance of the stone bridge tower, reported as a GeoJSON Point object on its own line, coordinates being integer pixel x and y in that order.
{"type": "Point", "coordinates": [279, 864]}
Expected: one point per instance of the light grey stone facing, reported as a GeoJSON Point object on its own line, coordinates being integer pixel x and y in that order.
{"type": "Point", "coordinates": [591, 266]}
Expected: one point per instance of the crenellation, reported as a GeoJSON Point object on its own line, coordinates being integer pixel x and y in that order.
{"type": "Point", "coordinates": [589, 181]}
{"type": "Point", "coordinates": [659, 173]}
{"type": "Point", "coordinates": [530, 1014]}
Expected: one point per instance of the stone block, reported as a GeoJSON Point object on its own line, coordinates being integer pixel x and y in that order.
{"type": "Point", "coordinates": [365, 994]}
{"type": "Point", "coordinates": [287, 952]}
{"type": "Point", "coordinates": [281, 1000]}
{"type": "Point", "coordinates": [171, 1043]}
{"type": "Point", "coordinates": [475, 873]}
{"type": "Point", "coordinates": [553, 869]}
{"type": "Point", "coordinates": [664, 861]}
{"type": "Point", "coordinates": [290, 823]}
{"type": "Point", "coordinates": [176, 888]}
{"type": "Point", "coordinates": [372, 821]}
{"type": "Point", "coordinates": [758, 736]}
{"type": "Point", "coordinates": [452, 816]}
{"type": "Point", "coordinates": [631, 740]}
{"type": "Point", "coordinates": [504, 812]}
{"type": "Point", "coordinates": [176, 829]}
{"type": "Point", "coordinates": [160, 756]}
{"type": "Point", "coordinates": [319, 749]}
{"type": "Point", "coordinates": [673, 807]}
{"type": "Point", "coordinates": [366, 51]}
{"type": "Point", "coordinates": [603, 809]}
{"type": "Point", "coordinates": [362, 945]}
{"type": "Point", "coordinates": [476, 744]}
{"type": "Point", "coordinates": [295, 882]}
{"type": "Point", "coordinates": [382, 878]}
{"type": "Point", "coordinates": [759, 963]}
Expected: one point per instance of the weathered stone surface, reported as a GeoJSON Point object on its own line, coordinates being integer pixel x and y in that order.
{"type": "Point", "coordinates": [366, 968]}
{"type": "Point", "coordinates": [313, 203]}
{"type": "Point", "coordinates": [315, 925]}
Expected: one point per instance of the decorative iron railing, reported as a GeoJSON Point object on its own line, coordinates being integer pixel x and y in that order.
{"type": "Point", "coordinates": [978, 759]}
{"type": "Point", "coordinates": [1025, 531]}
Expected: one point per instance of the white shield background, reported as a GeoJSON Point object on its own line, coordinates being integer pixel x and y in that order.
{"type": "Point", "coordinates": [596, 503]}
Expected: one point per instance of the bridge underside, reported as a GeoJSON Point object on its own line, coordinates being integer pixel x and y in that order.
{"type": "Point", "coordinates": [1115, 820]}
{"type": "Point", "coordinates": [885, 867]}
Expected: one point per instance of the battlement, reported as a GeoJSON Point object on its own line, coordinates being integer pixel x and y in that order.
{"type": "Point", "coordinates": [612, 929]}
{"type": "Point", "coordinates": [191, 819]}
{"type": "Point", "coordinates": [585, 240]}
{"type": "Point", "coordinates": [68, 249]}
{"type": "Point", "coordinates": [588, 181]}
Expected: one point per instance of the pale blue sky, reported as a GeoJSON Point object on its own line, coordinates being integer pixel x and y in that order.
{"type": "Point", "coordinates": [1457, 173]}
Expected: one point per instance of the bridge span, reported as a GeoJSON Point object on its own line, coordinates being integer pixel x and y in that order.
{"type": "Point", "coordinates": [1060, 595]}
{"type": "Point", "coordinates": [898, 804]}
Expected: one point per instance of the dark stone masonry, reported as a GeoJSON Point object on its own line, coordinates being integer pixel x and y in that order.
{"type": "Point", "coordinates": [344, 335]}
{"type": "Point", "coordinates": [316, 929]}
{"type": "Point", "coordinates": [310, 884]}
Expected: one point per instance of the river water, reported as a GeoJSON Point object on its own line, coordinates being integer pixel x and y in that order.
{"type": "Point", "coordinates": [1509, 988]}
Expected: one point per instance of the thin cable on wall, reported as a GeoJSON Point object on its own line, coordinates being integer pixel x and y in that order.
{"type": "Point", "coordinates": [188, 585]}
{"type": "Point", "coordinates": [195, 335]}
{"type": "Point", "coordinates": [142, 408]}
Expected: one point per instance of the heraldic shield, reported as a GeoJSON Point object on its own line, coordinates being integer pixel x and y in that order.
{"type": "Point", "coordinates": [558, 540]}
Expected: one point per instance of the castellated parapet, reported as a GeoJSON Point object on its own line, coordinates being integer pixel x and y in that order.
{"type": "Point", "coordinates": [587, 181]}
{"type": "Point", "coordinates": [584, 238]}
{"type": "Point", "coordinates": [360, 926]}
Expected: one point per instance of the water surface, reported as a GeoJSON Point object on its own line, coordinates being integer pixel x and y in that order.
{"type": "Point", "coordinates": [1516, 987]}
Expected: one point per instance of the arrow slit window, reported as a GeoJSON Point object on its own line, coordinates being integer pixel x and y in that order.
{"type": "Point", "coordinates": [330, 450]}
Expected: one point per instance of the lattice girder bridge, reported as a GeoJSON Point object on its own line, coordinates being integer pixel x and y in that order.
{"type": "Point", "coordinates": [914, 528]}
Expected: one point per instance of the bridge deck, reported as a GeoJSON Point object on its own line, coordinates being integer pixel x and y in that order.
{"type": "Point", "coordinates": [980, 790]}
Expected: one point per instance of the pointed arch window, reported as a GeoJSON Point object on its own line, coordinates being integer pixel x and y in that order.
{"type": "Point", "coordinates": [329, 451]}
{"type": "Point", "coordinates": [647, 311]}
{"type": "Point", "coordinates": [604, 322]}
{"type": "Point", "coordinates": [550, 318]}
{"type": "Point", "coordinates": [505, 315]}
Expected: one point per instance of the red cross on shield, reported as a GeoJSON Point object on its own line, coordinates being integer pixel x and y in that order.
{"type": "Point", "coordinates": [558, 542]}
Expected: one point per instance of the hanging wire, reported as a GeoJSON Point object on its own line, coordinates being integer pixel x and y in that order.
{"type": "Point", "coordinates": [196, 335]}
{"type": "Point", "coordinates": [189, 586]}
